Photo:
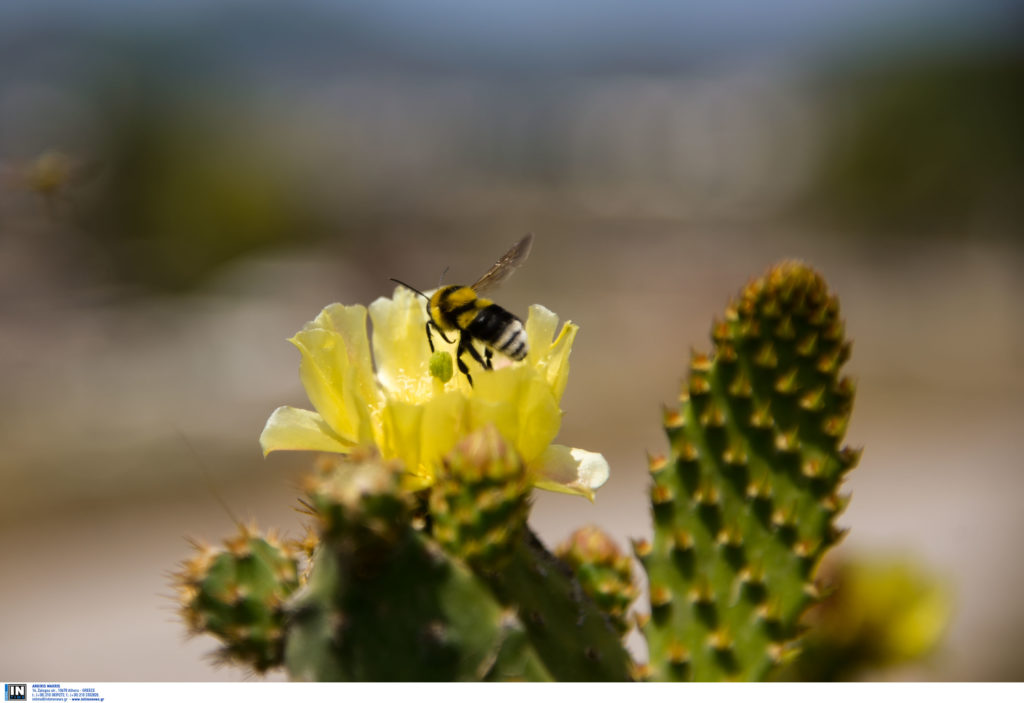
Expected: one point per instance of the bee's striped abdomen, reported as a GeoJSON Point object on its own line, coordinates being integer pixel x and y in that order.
{"type": "Point", "coordinates": [500, 330]}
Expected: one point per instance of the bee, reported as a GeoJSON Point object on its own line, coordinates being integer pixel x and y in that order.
{"type": "Point", "coordinates": [461, 310]}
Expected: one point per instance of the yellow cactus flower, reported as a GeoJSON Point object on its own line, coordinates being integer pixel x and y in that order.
{"type": "Point", "coordinates": [408, 413]}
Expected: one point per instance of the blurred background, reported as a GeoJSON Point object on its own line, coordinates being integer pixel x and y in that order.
{"type": "Point", "coordinates": [184, 184]}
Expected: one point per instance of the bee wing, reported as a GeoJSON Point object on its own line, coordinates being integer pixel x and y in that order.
{"type": "Point", "coordinates": [506, 265]}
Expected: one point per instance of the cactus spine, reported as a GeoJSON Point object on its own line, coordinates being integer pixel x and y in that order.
{"type": "Point", "coordinates": [744, 506]}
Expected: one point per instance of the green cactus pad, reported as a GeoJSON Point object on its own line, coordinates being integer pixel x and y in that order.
{"type": "Point", "coordinates": [237, 594]}
{"type": "Point", "coordinates": [478, 508]}
{"type": "Point", "coordinates": [385, 603]}
{"type": "Point", "coordinates": [571, 634]}
{"type": "Point", "coordinates": [604, 572]}
{"type": "Point", "coordinates": [480, 501]}
{"type": "Point", "coordinates": [744, 506]}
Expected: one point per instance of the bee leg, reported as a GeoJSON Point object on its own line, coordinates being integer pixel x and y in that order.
{"type": "Point", "coordinates": [464, 369]}
{"type": "Point", "coordinates": [430, 337]}
{"type": "Point", "coordinates": [488, 355]}
{"type": "Point", "coordinates": [468, 345]}
{"type": "Point", "coordinates": [463, 345]}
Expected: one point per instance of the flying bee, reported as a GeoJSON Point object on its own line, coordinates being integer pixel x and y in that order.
{"type": "Point", "coordinates": [460, 309]}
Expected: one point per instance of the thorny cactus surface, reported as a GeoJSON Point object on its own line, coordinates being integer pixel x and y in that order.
{"type": "Point", "coordinates": [420, 565]}
{"type": "Point", "coordinates": [238, 593]}
{"type": "Point", "coordinates": [744, 506]}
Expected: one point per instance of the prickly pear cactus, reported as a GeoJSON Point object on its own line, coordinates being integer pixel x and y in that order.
{"type": "Point", "coordinates": [479, 510]}
{"type": "Point", "coordinates": [237, 594]}
{"type": "Point", "coordinates": [431, 573]}
{"type": "Point", "coordinates": [481, 500]}
{"type": "Point", "coordinates": [604, 573]}
{"type": "Point", "coordinates": [744, 506]}
{"type": "Point", "coordinates": [383, 602]}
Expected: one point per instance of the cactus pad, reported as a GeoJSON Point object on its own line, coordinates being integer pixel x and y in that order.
{"type": "Point", "coordinates": [480, 501]}
{"type": "Point", "coordinates": [237, 594]}
{"type": "Point", "coordinates": [604, 572]}
{"type": "Point", "coordinates": [385, 603]}
{"type": "Point", "coordinates": [744, 506]}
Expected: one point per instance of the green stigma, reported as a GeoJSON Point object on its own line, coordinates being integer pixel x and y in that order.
{"type": "Point", "coordinates": [441, 366]}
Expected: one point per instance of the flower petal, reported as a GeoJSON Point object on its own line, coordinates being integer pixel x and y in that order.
{"type": "Point", "coordinates": [540, 326]}
{"type": "Point", "coordinates": [296, 429]}
{"type": "Point", "coordinates": [337, 372]}
{"type": "Point", "coordinates": [400, 346]}
{"type": "Point", "coordinates": [550, 357]}
{"type": "Point", "coordinates": [445, 421]}
{"type": "Point", "coordinates": [518, 401]}
{"type": "Point", "coordinates": [570, 470]}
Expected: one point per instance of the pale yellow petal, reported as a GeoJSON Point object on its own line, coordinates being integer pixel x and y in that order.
{"type": "Point", "coordinates": [495, 401]}
{"type": "Point", "coordinates": [557, 367]}
{"type": "Point", "coordinates": [518, 401]}
{"type": "Point", "coordinates": [336, 370]}
{"type": "Point", "coordinates": [570, 470]}
{"type": "Point", "coordinates": [400, 345]}
{"type": "Point", "coordinates": [540, 326]}
{"type": "Point", "coordinates": [540, 418]}
{"type": "Point", "coordinates": [350, 322]}
{"type": "Point", "coordinates": [550, 355]}
{"type": "Point", "coordinates": [445, 421]}
{"type": "Point", "coordinates": [403, 430]}
{"type": "Point", "coordinates": [296, 429]}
